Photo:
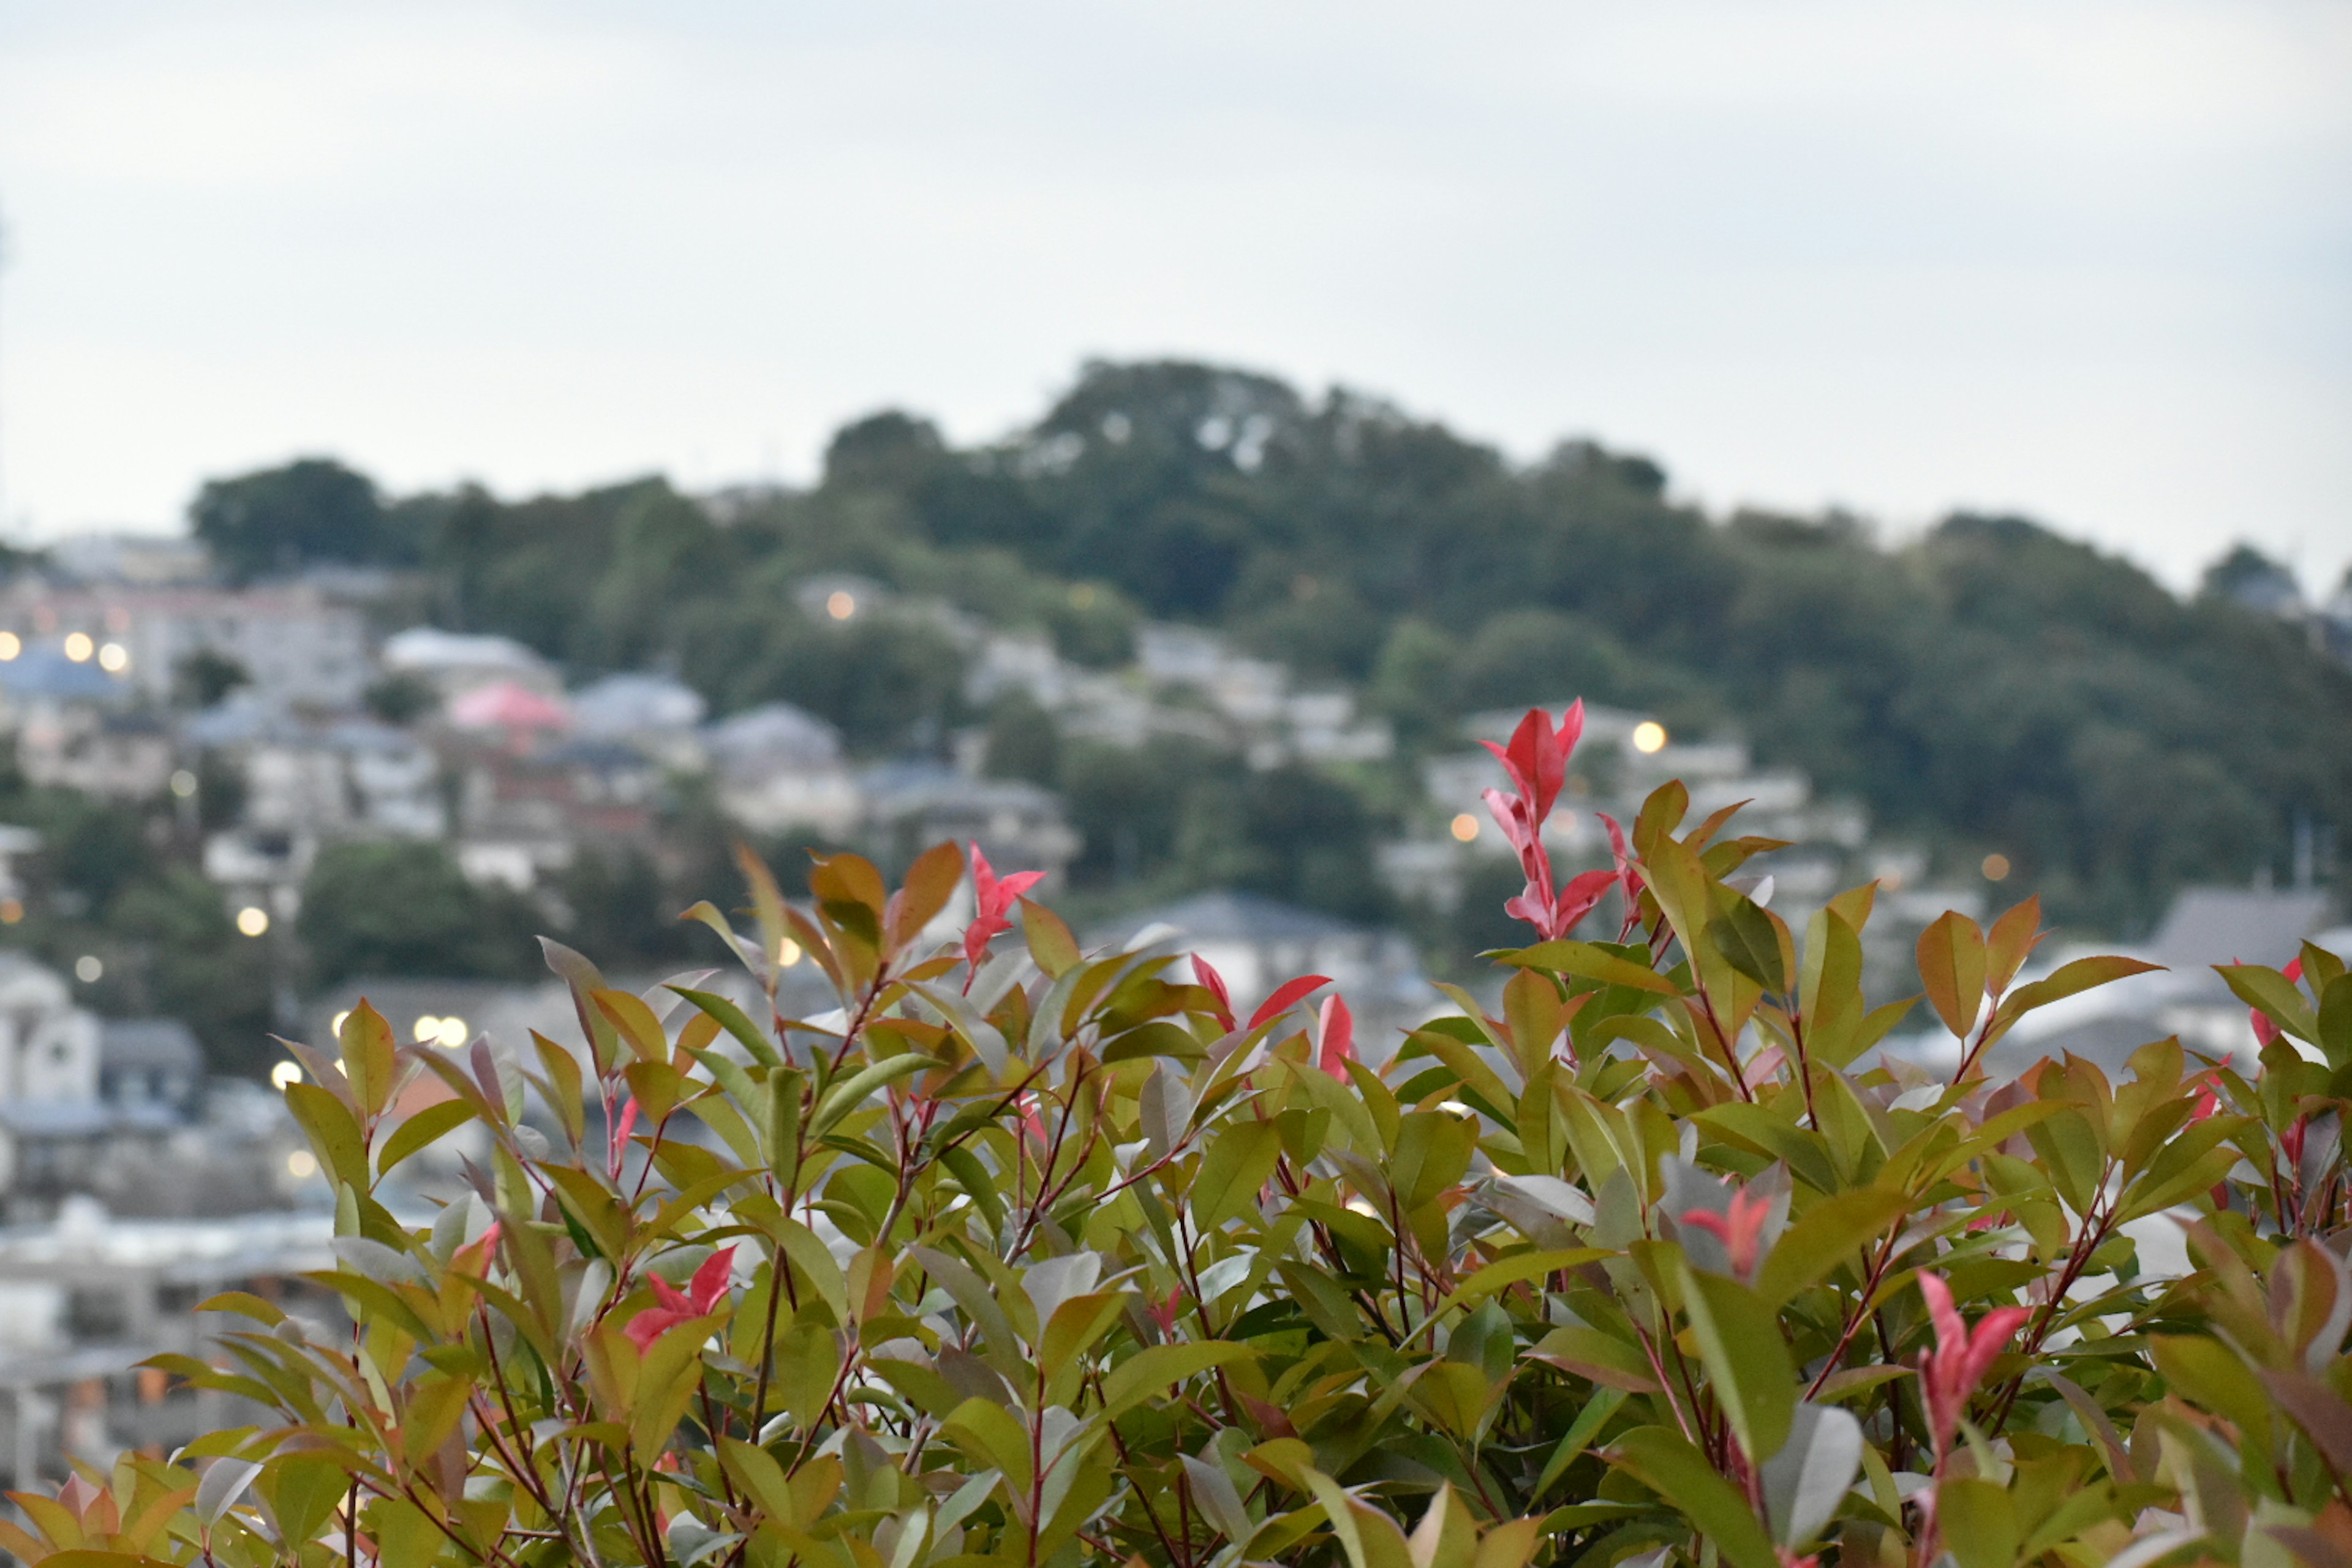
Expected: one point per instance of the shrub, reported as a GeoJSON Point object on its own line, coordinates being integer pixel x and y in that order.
{"type": "Point", "coordinates": [1028, 1255]}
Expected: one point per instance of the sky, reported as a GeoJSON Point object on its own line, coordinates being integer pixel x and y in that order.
{"type": "Point", "coordinates": [2088, 262]}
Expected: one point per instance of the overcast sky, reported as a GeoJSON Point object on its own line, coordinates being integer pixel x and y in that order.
{"type": "Point", "coordinates": [2091, 262]}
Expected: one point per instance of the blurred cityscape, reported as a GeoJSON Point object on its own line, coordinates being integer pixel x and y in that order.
{"type": "Point", "coordinates": [250, 781]}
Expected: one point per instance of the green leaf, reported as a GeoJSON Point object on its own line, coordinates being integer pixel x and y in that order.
{"type": "Point", "coordinates": [1748, 940]}
{"type": "Point", "coordinates": [1746, 1361]}
{"type": "Point", "coordinates": [2336, 1021]}
{"type": "Point", "coordinates": [1679, 1473]}
{"type": "Point", "coordinates": [1157, 1039]}
{"type": "Point", "coordinates": [1157, 1367]}
{"type": "Point", "coordinates": [1433, 1150]}
{"type": "Point", "coordinates": [370, 1057]}
{"type": "Point", "coordinates": [1809, 1478]}
{"type": "Point", "coordinates": [1824, 1237]}
{"type": "Point", "coordinates": [2272, 995]}
{"type": "Point", "coordinates": [1952, 966]}
{"type": "Point", "coordinates": [421, 1131]}
{"type": "Point", "coordinates": [733, 1019]}
{"type": "Point", "coordinates": [1050, 942]}
{"type": "Point", "coordinates": [334, 1133]}
{"type": "Point", "coordinates": [1578, 1438]}
{"type": "Point", "coordinates": [852, 1091]}
{"type": "Point", "coordinates": [1237, 1162]}
{"type": "Point", "coordinates": [303, 1490]}
{"type": "Point", "coordinates": [1979, 1523]}
{"type": "Point", "coordinates": [1587, 961]}
{"type": "Point", "coordinates": [1516, 1269]}
{"type": "Point", "coordinates": [2070, 980]}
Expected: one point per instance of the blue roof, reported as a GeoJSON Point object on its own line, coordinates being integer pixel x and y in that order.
{"type": "Point", "coordinates": [47, 673]}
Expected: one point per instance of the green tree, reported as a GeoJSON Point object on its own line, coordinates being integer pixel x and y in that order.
{"type": "Point", "coordinates": [207, 676]}
{"type": "Point", "coordinates": [402, 908]}
{"type": "Point", "coordinates": [277, 520]}
{"type": "Point", "coordinates": [1023, 741]}
{"type": "Point", "coordinates": [198, 968]}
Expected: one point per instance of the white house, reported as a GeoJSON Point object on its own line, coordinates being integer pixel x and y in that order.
{"type": "Point", "coordinates": [48, 1046]}
{"type": "Point", "coordinates": [294, 642]}
{"type": "Point", "coordinates": [779, 767]}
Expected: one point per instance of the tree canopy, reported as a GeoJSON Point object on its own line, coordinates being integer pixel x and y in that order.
{"type": "Point", "coordinates": [1989, 686]}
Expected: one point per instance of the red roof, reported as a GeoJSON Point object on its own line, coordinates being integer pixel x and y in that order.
{"type": "Point", "coordinates": [507, 705]}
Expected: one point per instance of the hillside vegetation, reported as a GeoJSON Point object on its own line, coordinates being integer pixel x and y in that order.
{"type": "Point", "coordinates": [1989, 686]}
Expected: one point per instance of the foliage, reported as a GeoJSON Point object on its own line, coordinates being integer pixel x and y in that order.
{"type": "Point", "coordinates": [207, 676]}
{"type": "Point", "coordinates": [1031, 1256]}
{"type": "Point", "coordinates": [277, 519]}
{"type": "Point", "coordinates": [404, 908]}
{"type": "Point", "coordinates": [1988, 686]}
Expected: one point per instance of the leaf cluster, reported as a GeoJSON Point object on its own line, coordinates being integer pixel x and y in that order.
{"type": "Point", "coordinates": [1056, 1258]}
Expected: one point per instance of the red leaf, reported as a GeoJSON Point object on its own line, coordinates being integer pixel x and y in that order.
{"type": "Point", "coordinates": [1214, 983]}
{"type": "Point", "coordinates": [1337, 1034]}
{"type": "Point", "coordinates": [1285, 995]}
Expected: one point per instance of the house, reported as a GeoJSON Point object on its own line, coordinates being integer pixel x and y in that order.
{"type": "Point", "coordinates": [48, 1073]}
{"type": "Point", "coordinates": [149, 1069]}
{"type": "Point", "coordinates": [658, 714]}
{"type": "Point", "coordinates": [308, 783]}
{"type": "Point", "coordinates": [1257, 943]}
{"type": "Point", "coordinates": [453, 663]}
{"type": "Point", "coordinates": [48, 1046]}
{"type": "Point", "coordinates": [511, 708]}
{"type": "Point", "coordinates": [779, 767]}
{"type": "Point", "coordinates": [294, 642]}
{"type": "Point", "coordinates": [98, 751]}
{"type": "Point", "coordinates": [87, 1296]}
{"type": "Point", "coordinates": [909, 806]}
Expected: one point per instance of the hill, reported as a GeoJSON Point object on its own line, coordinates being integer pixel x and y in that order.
{"type": "Point", "coordinates": [1990, 685]}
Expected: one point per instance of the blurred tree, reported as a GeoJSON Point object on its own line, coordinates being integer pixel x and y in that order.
{"type": "Point", "coordinates": [400, 698]}
{"type": "Point", "coordinates": [2248, 577]}
{"type": "Point", "coordinates": [1022, 740]}
{"type": "Point", "coordinates": [405, 908]}
{"type": "Point", "coordinates": [204, 676]}
{"type": "Point", "coordinates": [194, 965]}
{"type": "Point", "coordinates": [277, 520]}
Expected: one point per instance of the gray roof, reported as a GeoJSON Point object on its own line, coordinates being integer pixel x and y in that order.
{"type": "Point", "coordinates": [774, 732]}
{"type": "Point", "coordinates": [635, 702]}
{"type": "Point", "coordinates": [2230, 925]}
{"type": "Point", "coordinates": [164, 1043]}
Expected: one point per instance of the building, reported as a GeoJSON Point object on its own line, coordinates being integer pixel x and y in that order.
{"type": "Point", "coordinates": [48, 1046]}
{"type": "Point", "coordinates": [657, 714]}
{"type": "Point", "coordinates": [308, 783]}
{"type": "Point", "coordinates": [295, 642]}
{"type": "Point", "coordinates": [100, 752]}
{"type": "Point", "coordinates": [779, 767]}
{"type": "Point", "coordinates": [87, 1297]}
{"type": "Point", "coordinates": [909, 806]}
{"type": "Point", "coordinates": [453, 663]}
{"type": "Point", "coordinates": [524, 809]}
{"type": "Point", "coordinates": [150, 1069]}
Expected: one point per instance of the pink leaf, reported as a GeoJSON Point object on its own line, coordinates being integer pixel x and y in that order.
{"type": "Point", "coordinates": [1337, 1034]}
{"type": "Point", "coordinates": [992, 895]}
{"type": "Point", "coordinates": [710, 1284]}
{"type": "Point", "coordinates": [1214, 983]}
{"type": "Point", "coordinates": [651, 1324]}
{"type": "Point", "coordinates": [1285, 995]}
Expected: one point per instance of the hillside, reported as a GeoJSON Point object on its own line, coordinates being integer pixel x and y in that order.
{"type": "Point", "coordinates": [1989, 687]}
